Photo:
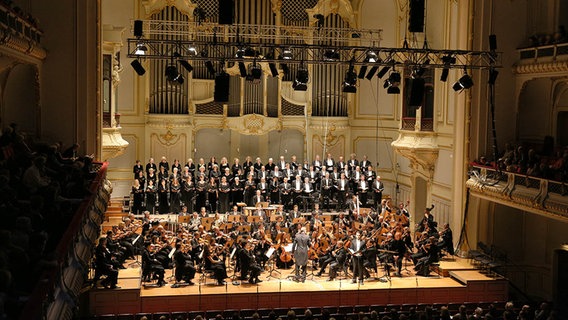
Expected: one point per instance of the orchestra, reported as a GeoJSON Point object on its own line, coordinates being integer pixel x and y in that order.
{"type": "Point", "coordinates": [255, 230]}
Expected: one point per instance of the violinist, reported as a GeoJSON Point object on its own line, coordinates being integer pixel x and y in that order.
{"type": "Point", "coordinates": [213, 263]}
{"type": "Point", "coordinates": [339, 258]}
{"type": "Point", "coordinates": [431, 255]}
{"type": "Point", "coordinates": [151, 265]}
{"type": "Point", "coordinates": [262, 246]}
{"type": "Point", "coordinates": [185, 267]}
{"type": "Point", "coordinates": [248, 263]}
{"type": "Point", "coordinates": [326, 257]}
{"type": "Point", "coordinates": [446, 240]}
{"type": "Point", "coordinates": [104, 264]}
{"type": "Point", "coordinates": [370, 257]}
{"type": "Point", "coordinates": [399, 247]}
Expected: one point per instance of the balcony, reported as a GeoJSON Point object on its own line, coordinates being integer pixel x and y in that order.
{"type": "Point", "coordinates": [549, 59]}
{"type": "Point", "coordinates": [20, 32]}
{"type": "Point", "coordinates": [541, 196]}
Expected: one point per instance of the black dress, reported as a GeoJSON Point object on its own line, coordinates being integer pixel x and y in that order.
{"type": "Point", "coordinates": [138, 195]}
{"type": "Point", "coordinates": [175, 205]}
{"type": "Point", "coordinates": [163, 190]}
{"type": "Point", "coordinates": [151, 198]}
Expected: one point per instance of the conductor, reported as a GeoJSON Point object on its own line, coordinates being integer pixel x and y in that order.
{"type": "Point", "coordinates": [300, 251]}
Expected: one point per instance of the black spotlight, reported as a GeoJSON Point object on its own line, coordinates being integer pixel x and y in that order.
{"type": "Point", "coordinates": [465, 82]}
{"type": "Point", "coordinates": [301, 81]}
{"type": "Point", "coordinates": [447, 60]}
{"type": "Point", "coordinates": [392, 83]}
{"type": "Point", "coordinates": [331, 55]}
{"type": "Point", "coordinates": [242, 69]}
{"type": "Point", "coordinates": [186, 65]}
{"type": "Point", "coordinates": [137, 66]}
{"type": "Point", "coordinates": [383, 71]}
{"type": "Point", "coordinates": [256, 71]}
{"type": "Point", "coordinates": [350, 83]}
{"type": "Point", "coordinates": [171, 73]}
{"type": "Point", "coordinates": [138, 33]}
{"type": "Point", "coordinates": [210, 68]}
{"type": "Point", "coordinates": [273, 69]}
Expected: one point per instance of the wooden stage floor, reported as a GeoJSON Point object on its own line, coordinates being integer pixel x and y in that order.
{"type": "Point", "coordinates": [462, 283]}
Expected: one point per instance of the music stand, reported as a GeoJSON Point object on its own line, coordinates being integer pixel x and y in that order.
{"type": "Point", "coordinates": [184, 219]}
{"type": "Point", "coordinates": [136, 262]}
{"type": "Point", "coordinates": [234, 278]}
{"type": "Point", "coordinates": [274, 217]}
{"type": "Point", "coordinates": [272, 262]}
{"type": "Point", "coordinates": [253, 219]}
{"type": "Point", "coordinates": [243, 229]}
{"type": "Point", "coordinates": [234, 218]}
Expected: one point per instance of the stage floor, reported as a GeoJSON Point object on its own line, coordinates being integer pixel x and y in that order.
{"type": "Point", "coordinates": [464, 283]}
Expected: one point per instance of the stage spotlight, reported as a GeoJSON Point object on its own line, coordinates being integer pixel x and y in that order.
{"type": "Point", "coordinates": [383, 71]}
{"type": "Point", "coordinates": [171, 73]}
{"type": "Point", "coordinates": [242, 69]}
{"type": "Point", "coordinates": [465, 82]}
{"type": "Point", "coordinates": [372, 56]}
{"type": "Point", "coordinates": [210, 68]}
{"type": "Point", "coordinates": [350, 83]}
{"type": "Point", "coordinates": [447, 60]}
{"type": "Point", "coordinates": [287, 54]}
{"type": "Point", "coordinates": [191, 51]}
{"type": "Point", "coordinates": [186, 65]}
{"type": "Point", "coordinates": [331, 55]}
{"type": "Point", "coordinates": [285, 68]}
{"type": "Point", "coordinates": [255, 73]}
{"type": "Point", "coordinates": [273, 69]}
{"type": "Point", "coordinates": [301, 81]}
{"type": "Point", "coordinates": [137, 66]}
{"type": "Point", "coordinates": [141, 49]}
{"type": "Point", "coordinates": [392, 83]}
{"type": "Point", "coordinates": [362, 72]}
{"type": "Point", "coordinates": [372, 72]}
{"type": "Point", "coordinates": [320, 19]}
{"type": "Point", "coordinates": [138, 32]}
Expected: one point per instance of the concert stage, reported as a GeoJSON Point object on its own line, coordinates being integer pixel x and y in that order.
{"type": "Point", "coordinates": [464, 284]}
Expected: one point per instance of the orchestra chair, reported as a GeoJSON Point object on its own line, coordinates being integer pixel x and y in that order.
{"type": "Point", "coordinates": [344, 270]}
{"type": "Point", "coordinates": [205, 273]}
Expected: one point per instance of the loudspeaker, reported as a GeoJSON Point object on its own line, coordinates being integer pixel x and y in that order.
{"type": "Point", "coordinates": [137, 66]}
{"type": "Point", "coordinates": [416, 92]}
{"type": "Point", "coordinates": [138, 28]}
{"type": "Point", "coordinates": [416, 16]}
{"type": "Point", "coordinates": [221, 91]}
{"type": "Point", "coordinates": [226, 8]}
{"type": "Point", "coordinates": [492, 42]}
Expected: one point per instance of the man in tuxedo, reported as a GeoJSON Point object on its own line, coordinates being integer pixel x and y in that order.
{"type": "Point", "coordinates": [378, 188]}
{"type": "Point", "coordinates": [258, 197]}
{"type": "Point", "coordinates": [342, 186]}
{"type": "Point", "coordinates": [300, 252]}
{"type": "Point", "coordinates": [356, 248]}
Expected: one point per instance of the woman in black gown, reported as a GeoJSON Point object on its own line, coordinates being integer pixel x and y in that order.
{"type": "Point", "coordinates": [163, 191]}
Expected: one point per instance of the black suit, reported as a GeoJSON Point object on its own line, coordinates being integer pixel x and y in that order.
{"type": "Point", "coordinates": [104, 266]}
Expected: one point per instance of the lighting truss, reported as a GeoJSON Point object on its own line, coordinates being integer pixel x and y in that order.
{"type": "Point", "coordinates": [221, 42]}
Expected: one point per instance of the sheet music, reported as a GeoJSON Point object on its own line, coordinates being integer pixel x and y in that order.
{"type": "Point", "coordinates": [289, 247]}
{"type": "Point", "coordinates": [134, 242]}
{"type": "Point", "coordinates": [270, 252]}
{"type": "Point", "coordinates": [233, 253]}
{"type": "Point", "coordinates": [171, 254]}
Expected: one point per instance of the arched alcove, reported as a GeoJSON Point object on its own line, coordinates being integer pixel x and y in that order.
{"type": "Point", "coordinates": [20, 98]}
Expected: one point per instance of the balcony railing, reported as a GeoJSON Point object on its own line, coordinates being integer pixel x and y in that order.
{"type": "Point", "coordinates": [544, 53]}
{"type": "Point", "coordinates": [529, 193]}
{"type": "Point", "coordinates": [426, 124]}
{"type": "Point", "coordinates": [18, 25]}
